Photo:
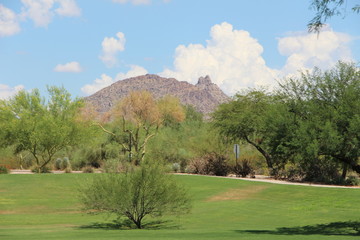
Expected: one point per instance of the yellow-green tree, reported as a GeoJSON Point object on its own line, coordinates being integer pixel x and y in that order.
{"type": "Point", "coordinates": [30, 123]}
{"type": "Point", "coordinates": [139, 116]}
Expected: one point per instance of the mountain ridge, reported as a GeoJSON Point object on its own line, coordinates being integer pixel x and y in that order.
{"type": "Point", "coordinates": [205, 96]}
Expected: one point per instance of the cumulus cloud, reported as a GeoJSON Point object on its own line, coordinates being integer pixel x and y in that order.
{"type": "Point", "coordinates": [134, 71]}
{"type": "Point", "coordinates": [305, 51]}
{"type": "Point", "coordinates": [110, 48]}
{"type": "Point", "coordinates": [41, 12]}
{"type": "Point", "coordinates": [9, 24]}
{"type": "Point", "coordinates": [134, 2]}
{"type": "Point", "coordinates": [68, 67]}
{"type": "Point", "coordinates": [231, 57]}
{"type": "Point", "coordinates": [234, 61]}
{"type": "Point", "coordinates": [7, 91]}
{"type": "Point", "coordinates": [106, 80]}
{"type": "Point", "coordinates": [98, 84]}
{"type": "Point", "coordinates": [68, 8]}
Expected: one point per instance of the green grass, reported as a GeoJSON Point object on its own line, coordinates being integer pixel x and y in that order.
{"type": "Point", "coordinates": [46, 207]}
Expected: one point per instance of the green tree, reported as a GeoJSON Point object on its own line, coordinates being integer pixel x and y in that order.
{"type": "Point", "coordinates": [256, 118]}
{"type": "Point", "coordinates": [326, 9]}
{"type": "Point", "coordinates": [31, 124]}
{"type": "Point", "coordinates": [326, 110]}
{"type": "Point", "coordinates": [136, 194]}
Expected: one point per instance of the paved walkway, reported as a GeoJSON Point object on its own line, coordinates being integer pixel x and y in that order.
{"type": "Point", "coordinates": [267, 179]}
{"type": "Point", "coordinates": [258, 178]}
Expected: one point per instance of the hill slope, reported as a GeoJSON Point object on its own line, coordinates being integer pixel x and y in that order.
{"type": "Point", "coordinates": [205, 96]}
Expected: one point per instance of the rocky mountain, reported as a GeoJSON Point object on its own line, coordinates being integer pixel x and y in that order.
{"type": "Point", "coordinates": [205, 96]}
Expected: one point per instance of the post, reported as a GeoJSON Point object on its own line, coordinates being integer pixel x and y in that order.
{"type": "Point", "coordinates": [237, 151]}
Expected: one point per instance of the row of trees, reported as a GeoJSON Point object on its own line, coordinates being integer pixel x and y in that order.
{"type": "Point", "coordinates": [43, 128]}
{"type": "Point", "coordinates": [311, 123]}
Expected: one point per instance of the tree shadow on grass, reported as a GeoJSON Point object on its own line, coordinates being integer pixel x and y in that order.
{"type": "Point", "coordinates": [349, 228]}
{"type": "Point", "coordinates": [127, 225]}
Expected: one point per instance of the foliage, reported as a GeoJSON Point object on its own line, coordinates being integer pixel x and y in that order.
{"type": "Point", "coordinates": [326, 9]}
{"type": "Point", "coordinates": [242, 168]}
{"type": "Point", "coordinates": [43, 128]}
{"type": "Point", "coordinates": [209, 164]}
{"type": "Point", "coordinates": [325, 108]}
{"type": "Point", "coordinates": [88, 169]}
{"type": "Point", "coordinates": [136, 194]}
{"type": "Point", "coordinates": [259, 119]}
{"type": "Point", "coordinates": [44, 169]}
{"type": "Point", "coordinates": [137, 118]}
{"type": "Point", "coordinates": [65, 163]}
{"type": "Point", "coordinates": [4, 170]}
{"type": "Point", "coordinates": [57, 164]}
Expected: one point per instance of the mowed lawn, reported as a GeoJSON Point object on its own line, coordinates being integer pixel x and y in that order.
{"type": "Point", "coordinates": [46, 207]}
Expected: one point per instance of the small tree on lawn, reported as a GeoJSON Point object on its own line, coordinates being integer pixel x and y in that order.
{"type": "Point", "coordinates": [136, 194]}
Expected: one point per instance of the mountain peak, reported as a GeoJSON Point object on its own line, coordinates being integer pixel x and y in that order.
{"type": "Point", "coordinates": [204, 80]}
{"type": "Point", "coordinates": [205, 96]}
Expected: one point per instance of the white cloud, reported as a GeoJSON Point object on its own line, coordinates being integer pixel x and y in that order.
{"type": "Point", "coordinates": [68, 67]}
{"type": "Point", "coordinates": [106, 80]}
{"type": "Point", "coordinates": [7, 91]}
{"type": "Point", "coordinates": [98, 84]}
{"type": "Point", "coordinates": [134, 71]}
{"type": "Point", "coordinates": [234, 61]}
{"type": "Point", "coordinates": [134, 2]}
{"type": "Point", "coordinates": [110, 47]}
{"type": "Point", "coordinates": [42, 11]}
{"type": "Point", "coordinates": [305, 51]}
{"type": "Point", "coordinates": [231, 57]}
{"type": "Point", "coordinates": [9, 24]}
{"type": "Point", "coordinates": [68, 8]}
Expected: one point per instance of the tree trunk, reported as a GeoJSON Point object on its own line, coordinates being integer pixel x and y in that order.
{"type": "Point", "coordinates": [344, 172]}
{"type": "Point", "coordinates": [267, 156]}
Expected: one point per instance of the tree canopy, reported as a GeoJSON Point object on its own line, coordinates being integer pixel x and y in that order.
{"type": "Point", "coordinates": [326, 9]}
{"type": "Point", "coordinates": [43, 128]}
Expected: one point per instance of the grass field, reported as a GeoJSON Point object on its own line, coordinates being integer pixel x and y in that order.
{"type": "Point", "coordinates": [46, 207]}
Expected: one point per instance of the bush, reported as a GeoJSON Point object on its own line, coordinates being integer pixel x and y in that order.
{"type": "Point", "coordinates": [209, 164]}
{"type": "Point", "coordinates": [58, 164]}
{"type": "Point", "coordinates": [44, 169]}
{"type": "Point", "coordinates": [242, 168]}
{"type": "Point", "coordinates": [116, 166]}
{"type": "Point", "coordinates": [352, 181]}
{"type": "Point", "coordinates": [65, 163]}
{"type": "Point", "coordinates": [176, 167]}
{"type": "Point", "coordinates": [87, 169]}
{"type": "Point", "coordinates": [68, 170]}
{"type": "Point", "coordinates": [4, 170]}
{"type": "Point", "coordinates": [144, 191]}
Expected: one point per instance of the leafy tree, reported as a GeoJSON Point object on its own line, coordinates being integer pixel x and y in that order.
{"type": "Point", "coordinates": [137, 118]}
{"type": "Point", "coordinates": [29, 123]}
{"type": "Point", "coordinates": [326, 9]}
{"type": "Point", "coordinates": [259, 119]}
{"type": "Point", "coordinates": [136, 194]}
{"type": "Point", "coordinates": [326, 109]}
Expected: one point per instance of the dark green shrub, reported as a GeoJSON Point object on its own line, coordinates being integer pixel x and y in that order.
{"type": "Point", "coordinates": [58, 164]}
{"type": "Point", "coordinates": [65, 163]}
{"type": "Point", "coordinates": [4, 170]}
{"type": "Point", "coordinates": [352, 181]}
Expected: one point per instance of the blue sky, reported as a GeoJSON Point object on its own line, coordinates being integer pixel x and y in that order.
{"type": "Point", "coordinates": [86, 45]}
